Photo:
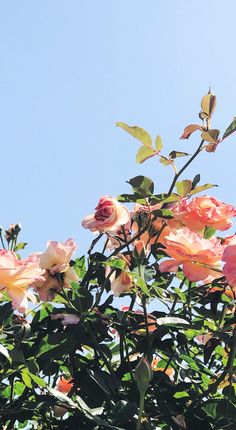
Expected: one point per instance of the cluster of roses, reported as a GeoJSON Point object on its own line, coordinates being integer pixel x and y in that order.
{"type": "Point", "coordinates": [44, 273]}
{"type": "Point", "coordinates": [182, 237]}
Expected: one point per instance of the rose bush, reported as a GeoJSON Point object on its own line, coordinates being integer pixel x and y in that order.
{"type": "Point", "coordinates": [141, 332]}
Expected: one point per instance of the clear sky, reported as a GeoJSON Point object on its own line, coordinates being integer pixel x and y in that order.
{"type": "Point", "coordinates": [70, 69]}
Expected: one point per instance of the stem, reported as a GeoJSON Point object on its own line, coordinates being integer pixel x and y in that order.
{"type": "Point", "coordinates": [141, 408]}
{"type": "Point", "coordinates": [185, 167]}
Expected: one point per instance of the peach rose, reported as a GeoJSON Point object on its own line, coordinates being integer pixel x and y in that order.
{"type": "Point", "coordinates": [197, 255]}
{"type": "Point", "coordinates": [17, 275]}
{"type": "Point", "coordinates": [57, 256]}
{"type": "Point", "coordinates": [229, 269]}
{"type": "Point", "coordinates": [109, 216]}
{"type": "Point", "coordinates": [122, 284]}
{"type": "Point", "coordinates": [204, 211]}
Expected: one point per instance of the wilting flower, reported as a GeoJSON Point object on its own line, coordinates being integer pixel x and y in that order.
{"type": "Point", "coordinates": [204, 211]}
{"type": "Point", "coordinates": [66, 319]}
{"type": "Point", "coordinates": [109, 216]}
{"type": "Point", "coordinates": [229, 269]}
{"type": "Point", "coordinates": [198, 256]}
{"type": "Point", "coordinates": [57, 256]}
{"type": "Point", "coordinates": [17, 275]}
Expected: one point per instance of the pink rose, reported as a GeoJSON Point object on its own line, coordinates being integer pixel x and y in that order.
{"type": "Point", "coordinates": [109, 216]}
{"type": "Point", "coordinates": [198, 256]}
{"type": "Point", "coordinates": [57, 256]}
{"type": "Point", "coordinates": [17, 275]}
{"type": "Point", "coordinates": [48, 288]}
{"type": "Point", "coordinates": [229, 269]}
{"type": "Point", "coordinates": [204, 211]}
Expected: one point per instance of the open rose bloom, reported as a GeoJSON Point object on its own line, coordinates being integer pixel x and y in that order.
{"type": "Point", "coordinates": [56, 259]}
{"type": "Point", "coordinates": [229, 269]}
{"type": "Point", "coordinates": [203, 212]}
{"type": "Point", "coordinates": [109, 216]}
{"type": "Point", "coordinates": [197, 256]}
{"type": "Point", "coordinates": [16, 276]}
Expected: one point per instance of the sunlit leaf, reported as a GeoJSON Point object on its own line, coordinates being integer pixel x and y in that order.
{"type": "Point", "coordinates": [202, 188]}
{"type": "Point", "coordinates": [20, 246]}
{"type": "Point", "coordinates": [4, 351]}
{"type": "Point", "coordinates": [189, 130]}
{"type": "Point", "coordinates": [144, 153]}
{"type": "Point", "coordinates": [208, 104]}
{"type": "Point", "coordinates": [165, 161]}
{"type": "Point", "coordinates": [158, 143]}
{"type": "Point", "coordinates": [211, 135]}
{"type": "Point", "coordinates": [184, 187]}
{"type": "Point", "coordinates": [171, 321]}
{"type": "Point", "coordinates": [26, 378]}
{"type": "Point", "coordinates": [231, 129]}
{"type": "Point", "coordinates": [137, 132]}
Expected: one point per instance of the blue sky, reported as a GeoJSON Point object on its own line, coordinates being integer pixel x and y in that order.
{"type": "Point", "coordinates": [70, 69]}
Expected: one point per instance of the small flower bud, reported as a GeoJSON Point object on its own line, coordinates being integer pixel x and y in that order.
{"type": "Point", "coordinates": [139, 251]}
{"type": "Point", "coordinates": [143, 374]}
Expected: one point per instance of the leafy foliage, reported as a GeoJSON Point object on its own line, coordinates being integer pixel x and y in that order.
{"type": "Point", "coordinates": [77, 359]}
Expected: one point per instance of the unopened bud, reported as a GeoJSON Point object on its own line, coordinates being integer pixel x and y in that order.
{"type": "Point", "coordinates": [139, 251]}
{"type": "Point", "coordinates": [143, 374]}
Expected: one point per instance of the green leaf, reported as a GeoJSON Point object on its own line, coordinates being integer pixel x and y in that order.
{"type": "Point", "coordinates": [209, 232]}
{"type": "Point", "coordinates": [144, 153]}
{"type": "Point", "coordinates": [181, 394]}
{"type": "Point", "coordinates": [128, 198]}
{"type": "Point", "coordinates": [196, 180]}
{"type": "Point", "coordinates": [184, 187]}
{"type": "Point", "coordinates": [165, 161]}
{"type": "Point", "coordinates": [26, 378]}
{"type": "Point", "coordinates": [158, 143]}
{"type": "Point", "coordinates": [20, 246]}
{"type": "Point", "coordinates": [231, 129]}
{"type": "Point", "coordinates": [143, 185]}
{"type": "Point", "coordinates": [143, 286]}
{"type": "Point", "coordinates": [176, 154]}
{"type": "Point", "coordinates": [202, 188]}
{"type": "Point", "coordinates": [137, 132]}
{"type": "Point", "coordinates": [116, 263]}
{"type": "Point", "coordinates": [39, 381]}
{"type": "Point", "coordinates": [163, 213]}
